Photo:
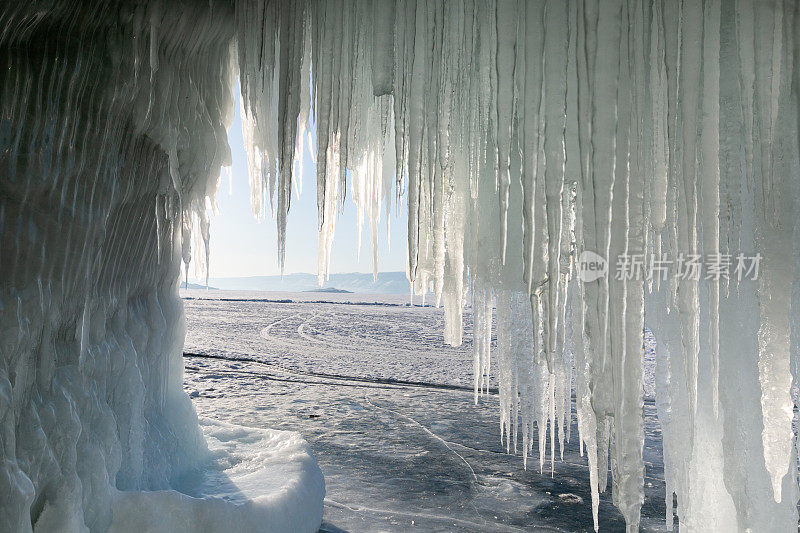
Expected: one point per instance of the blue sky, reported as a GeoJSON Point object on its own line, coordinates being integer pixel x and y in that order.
{"type": "Point", "coordinates": [243, 246]}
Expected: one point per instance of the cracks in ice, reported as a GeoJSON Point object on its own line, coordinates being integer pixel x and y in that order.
{"type": "Point", "coordinates": [426, 430]}
{"type": "Point", "coordinates": [428, 516]}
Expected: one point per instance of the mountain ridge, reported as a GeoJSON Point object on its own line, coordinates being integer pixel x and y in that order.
{"type": "Point", "coordinates": [358, 282]}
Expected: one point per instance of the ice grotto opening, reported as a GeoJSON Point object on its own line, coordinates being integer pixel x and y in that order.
{"type": "Point", "coordinates": [525, 133]}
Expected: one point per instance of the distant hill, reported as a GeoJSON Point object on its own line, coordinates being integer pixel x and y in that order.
{"type": "Point", "coordinates": [387, 283]}
{"type": "Point", "coordinates": [196, 286]}
{"type": "Point", "coordinates": [329, 289]}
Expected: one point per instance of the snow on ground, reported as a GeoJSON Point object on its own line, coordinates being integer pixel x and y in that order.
{"type": "Point", "coordinates": [387, 410]}
{"type": "Point", "coordinates": [255, 479]}
{"type": "Point", "coordinates": [389, 340]}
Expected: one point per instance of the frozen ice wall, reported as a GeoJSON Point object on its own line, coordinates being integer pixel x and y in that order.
{"type": "Point", "coordinates": [524, 133]}
{"type": "Point", "coordinates": [112, 134]}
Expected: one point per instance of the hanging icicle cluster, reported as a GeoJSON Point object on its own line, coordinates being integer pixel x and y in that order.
{"type": "Point", "coordinates": [528, 132]}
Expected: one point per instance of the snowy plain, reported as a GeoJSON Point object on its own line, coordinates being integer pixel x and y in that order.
{"type": "Point", "coordinates": [387, 409]}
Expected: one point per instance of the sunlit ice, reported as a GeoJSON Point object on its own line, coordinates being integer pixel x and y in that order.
{"type": "Point", "coordinates": [596, 202]}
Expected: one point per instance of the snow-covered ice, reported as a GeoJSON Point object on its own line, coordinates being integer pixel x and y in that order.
{"type": "Point", "coordinates": [394, 455]}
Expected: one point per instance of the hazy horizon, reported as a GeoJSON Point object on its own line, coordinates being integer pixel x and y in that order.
{"type": "Point", "coordinates": [394, 282]}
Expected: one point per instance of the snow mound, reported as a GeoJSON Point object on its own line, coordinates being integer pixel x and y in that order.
{"type": "Point", "coordinates": [255, 480]}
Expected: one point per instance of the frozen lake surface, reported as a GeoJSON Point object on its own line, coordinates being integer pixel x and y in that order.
{"type": "Point", "coordinates": [388, 410]}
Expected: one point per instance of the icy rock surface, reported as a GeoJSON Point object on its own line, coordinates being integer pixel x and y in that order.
{"type": "Point", "coordinates": [524, 133]}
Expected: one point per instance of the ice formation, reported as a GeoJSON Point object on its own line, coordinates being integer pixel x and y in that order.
{"type": "Point", "coordinates": [112, 135]}
{"type": "Point", "coordinates": [525, 134]}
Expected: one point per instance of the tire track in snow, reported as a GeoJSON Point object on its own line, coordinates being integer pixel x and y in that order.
{"type": "Point", "coordinates": [281, 340]}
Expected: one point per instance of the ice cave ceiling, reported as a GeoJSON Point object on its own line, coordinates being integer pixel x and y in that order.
{"type": "Point", "coordinates": [524, 132]}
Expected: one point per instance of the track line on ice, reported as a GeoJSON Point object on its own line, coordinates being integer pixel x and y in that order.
{"type": "Point", "coordinates": [428, 431]}
{"type": "Point", "coordinates": [268, 377]}
{"type": "Point", "coordinates": [303, 335]}
{"type": "Point", "coordinates": [340, 377]}
{"type": "Point", "coordinates": [343, 377]}
{"type": "Point", "coordinates": [441, 518]}
{"type": "Point", "coordinates": [266, 332]}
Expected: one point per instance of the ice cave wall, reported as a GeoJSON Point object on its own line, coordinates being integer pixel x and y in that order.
{"type": "Point", "coordinates": [112, 126]}
{"type": "Point", "coordinates": [524, 132]}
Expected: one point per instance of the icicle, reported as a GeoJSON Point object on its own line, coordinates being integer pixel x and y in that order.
{"type": "Point", "coordinates": [482, 301]}
{"type": "Point", "coordinates": [660, 151]}
{"type": "Point", "coordinates": [709, 188]}
{"type": "Point", "coordinates": [382, 68]}
{"type": "Point", "coordinates": [555, 80]}
{"type": "Point", "coordinates": [773, 222]}
{"type": "Point", "coordinates": [506, 20]}
{"type": "Point", "coordinates": [687, 286]}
